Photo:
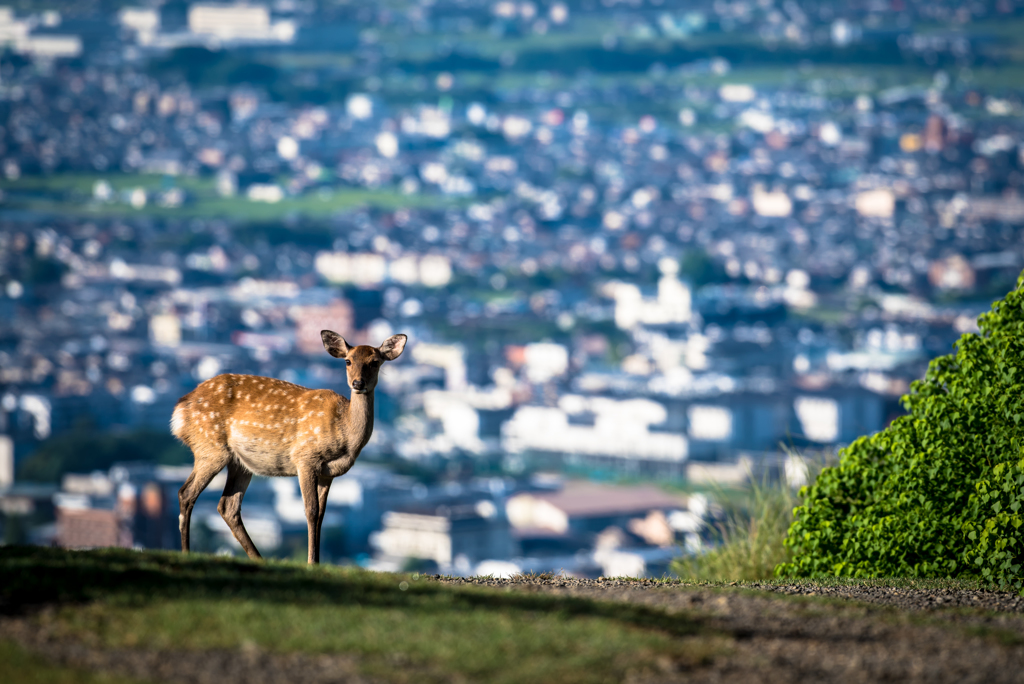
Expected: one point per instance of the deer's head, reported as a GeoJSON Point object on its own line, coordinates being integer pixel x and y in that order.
{"type": "Point", "coordinates": [362, 362]}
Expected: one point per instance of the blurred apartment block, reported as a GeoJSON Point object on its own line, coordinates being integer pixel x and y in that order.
{"type": "Point", "coordinates": [23, 36]}
{"type": "Point", "coordinates": [544, 525]}
{"type": "Point", "coordinates": [209, 24]}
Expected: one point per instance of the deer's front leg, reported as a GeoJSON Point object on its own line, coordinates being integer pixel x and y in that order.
{"type": "Point", "coordinates": [308, 486]}
{"type": "Point", "coordinates": [323, 486]}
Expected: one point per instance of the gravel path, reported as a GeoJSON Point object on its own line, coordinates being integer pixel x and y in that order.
{"type": "Point", "coordinates": [832, 634]}
{"type": "Point", "coordinates": [905, 599]}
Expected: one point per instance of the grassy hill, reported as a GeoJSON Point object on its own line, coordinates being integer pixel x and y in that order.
{"type": "Point", "coordinates": [124, 616]}
{"type": "Point", "coordinates": [394, 627]}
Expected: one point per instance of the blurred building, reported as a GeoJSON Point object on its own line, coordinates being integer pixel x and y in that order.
{"type": "Point", "coordinates": [454, 535]}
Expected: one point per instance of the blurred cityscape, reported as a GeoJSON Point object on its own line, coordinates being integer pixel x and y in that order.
{"type": "Point", "coordinates": [643, 250]}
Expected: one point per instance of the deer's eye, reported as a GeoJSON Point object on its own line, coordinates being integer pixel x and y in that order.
{"type": "Point", "coordinates": [348, 362]}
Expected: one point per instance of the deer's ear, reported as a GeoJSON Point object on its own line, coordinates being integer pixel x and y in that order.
{"type": "Point", "coordinates": [392, 347]}
{"type": "Point", "coordinates": [335, 344]}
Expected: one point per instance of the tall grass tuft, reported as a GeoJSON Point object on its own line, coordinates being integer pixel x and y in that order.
{"type": "Point", "coordinates": [751, 534]}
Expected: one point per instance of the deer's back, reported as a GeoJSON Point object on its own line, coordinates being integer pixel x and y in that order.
{"type": "Point", "coordinates": [266, 423]}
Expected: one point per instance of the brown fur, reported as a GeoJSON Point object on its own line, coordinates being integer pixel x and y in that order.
{"type": "Point", "coordinates": [256, 425]}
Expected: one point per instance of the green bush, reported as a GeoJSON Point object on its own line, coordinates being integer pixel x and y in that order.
{"type": "Point", "coordinates": [939, 492]}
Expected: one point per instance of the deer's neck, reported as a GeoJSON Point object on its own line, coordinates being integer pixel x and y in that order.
{"type": "Point", "coordinates": [359, 421]}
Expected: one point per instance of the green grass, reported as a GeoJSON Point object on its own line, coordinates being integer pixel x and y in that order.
{"type": "Point", "coordinates": [757, 520]}
{"type": "Point", "coordinates": [584, 32]}
{"type": "Point", "coordinates": [399, 628]}
{"type": "Point", "coordinates": [72, 194]}
{"type": "Point", "coordinates": [751, 537]}
{"type": "Point", "coordinates": [1004, 78]}
{"type": "Point", "coordinates": [155, 600]}
{"type": "Point", "coordinates": [825, 315]}
{"type": "Point", "coordinates": [27, 668]}
{"type": "Point", "coordinates": [1007, 28]}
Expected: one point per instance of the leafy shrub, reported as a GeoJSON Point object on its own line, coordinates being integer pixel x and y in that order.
{"type": "Point", "coordinates": [939, 492]}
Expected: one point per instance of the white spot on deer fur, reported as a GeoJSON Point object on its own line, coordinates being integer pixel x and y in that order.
{"type": "Point", "coordinates": [316, 431]}
{"type": "Point", "coordinates": [181, 522]}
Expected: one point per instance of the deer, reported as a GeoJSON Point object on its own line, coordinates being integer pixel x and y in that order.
{"type": "Point", "coordinates": [255, 425]}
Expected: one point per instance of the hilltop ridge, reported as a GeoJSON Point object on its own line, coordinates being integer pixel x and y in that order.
{"type": "Point", "coordinates": [159, 616]}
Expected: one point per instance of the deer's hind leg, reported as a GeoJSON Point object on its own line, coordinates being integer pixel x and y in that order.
{"type": "Point", "coordinates": [230, 505]}
{"type": "Point", "coordinates": [205, 469]}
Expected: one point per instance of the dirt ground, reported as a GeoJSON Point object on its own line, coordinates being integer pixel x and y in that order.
{"type": "Point", "coordinates": [830, 634]}
{"type": "Point", "coordinates": [835, 634]}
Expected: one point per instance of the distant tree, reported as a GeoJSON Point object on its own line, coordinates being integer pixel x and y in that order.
{"type": "Point", "coordinates": [84, 450]}
{"type": "Point", "coordinates": [699, 269]}
{"type": "Point", "coordinates": [14, 530]}
{"type": "Point", "coordinates": [42, 271]}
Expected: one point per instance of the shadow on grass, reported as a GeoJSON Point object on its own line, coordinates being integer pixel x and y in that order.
{"type": "Point", "coordinates": [31, 577]}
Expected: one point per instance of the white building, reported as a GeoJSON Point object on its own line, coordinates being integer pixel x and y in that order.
{"type": "Point", "coordinates": [739, 421]}
{"type": "Point", "coordinates": [449, 357]}
{"type": "Point", "coordinates": [17, 33]}
{"type": "Point", "coordinates": [595, 426]}
{"type": "Point", "coordinates": [238, 23]}
{"type": "Point", "coordinates": [839, 419]}
{"type": "Point", "coordinates": [471, 417]}
{"type": "Point", "coordinates": [673, 303]}
{"type": "Point", "coordinates": [49, 46]}
{"type": "Point", "coordinates": [431, 270]}
{"type": "Point", "coordinates": [545, 361]}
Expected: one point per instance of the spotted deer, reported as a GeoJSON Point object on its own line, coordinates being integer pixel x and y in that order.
{"type": "Point", "coordinates": [255, 425]}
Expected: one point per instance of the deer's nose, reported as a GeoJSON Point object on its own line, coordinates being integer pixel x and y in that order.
{"type": "Point", "coordinates": [358, 384]}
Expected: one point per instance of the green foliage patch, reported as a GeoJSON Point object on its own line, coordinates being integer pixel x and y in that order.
{"type": "Point", "coordinates": [939, 492]}
{"type": "Point", "coordinates": [84, 450]}
{"type": "Point", "coordinates": [28, 668]}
